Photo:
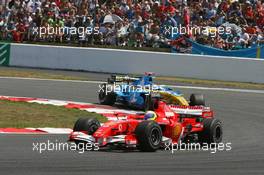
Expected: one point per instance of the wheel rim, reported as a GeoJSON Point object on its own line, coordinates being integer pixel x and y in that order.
{"type": "Point", "coordinates": [218, 133]}
{"type": "Point", "coordinates": [93, 128]}
{"type": "Point", "coordinates": [155, 136]}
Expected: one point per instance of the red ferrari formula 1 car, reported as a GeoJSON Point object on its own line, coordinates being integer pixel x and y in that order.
{"type": "Point", "coordinates": [151, 130]}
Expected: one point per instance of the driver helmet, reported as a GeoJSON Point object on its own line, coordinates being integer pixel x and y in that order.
{"type": "Point", "coordinates": [150, 115]}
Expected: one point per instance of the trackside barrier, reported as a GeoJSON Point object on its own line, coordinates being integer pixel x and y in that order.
{"type": "Point", "coordinates": [137, 62]}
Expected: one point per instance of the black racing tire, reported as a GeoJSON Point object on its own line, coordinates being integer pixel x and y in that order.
{"type": "Point", "coordinates": [150, 103]}
{"type": "Point", "coordinates": [106, 98]}
{"type": "Point", "coordinates": [149, 136]}
{"type": "Point", "coordinates": [88, 125]}
{"type": "Point", "coordinates": [197, 100]}
{"type": "Point", "coordinates": [213, 131]}
{"type": "Point", "coordinates": [147, 102]}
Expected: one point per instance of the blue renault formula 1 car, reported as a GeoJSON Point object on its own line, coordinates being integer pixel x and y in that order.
{"type": "Point", "coordinates": [132, 92]}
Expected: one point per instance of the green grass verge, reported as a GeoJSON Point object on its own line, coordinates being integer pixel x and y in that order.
{"type": "Point", "coordinates": [23, 114]}
{"type": "Point", "coordinates": [11, 72]}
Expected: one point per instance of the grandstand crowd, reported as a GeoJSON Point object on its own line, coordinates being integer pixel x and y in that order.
{"type": "Point", "coordinates": [134, 23]}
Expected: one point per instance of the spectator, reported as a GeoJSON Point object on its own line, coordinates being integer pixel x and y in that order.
{"type": "Point", "coordinates": [141, 23]}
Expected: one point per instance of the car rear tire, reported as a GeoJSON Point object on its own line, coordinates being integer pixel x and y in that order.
{"type": "Point", "coordinates": [149, 136]}
{"type": "Point", "coordinates": [213, 131]}
{"type": "Point", "coordinates": [105, 97]}
{"type": "Point", "coordinates": [197, 100]}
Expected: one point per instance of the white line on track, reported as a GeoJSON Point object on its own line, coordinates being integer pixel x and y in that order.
{"type": "Point", "coordinates": [174, 86]}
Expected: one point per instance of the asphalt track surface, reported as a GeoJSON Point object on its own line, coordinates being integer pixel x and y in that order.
{"type": "Point", "coordinates": [241, 113]}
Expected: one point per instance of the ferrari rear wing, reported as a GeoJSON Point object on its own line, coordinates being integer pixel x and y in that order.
{"type": "Point", "coordinates": [192, 110]}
